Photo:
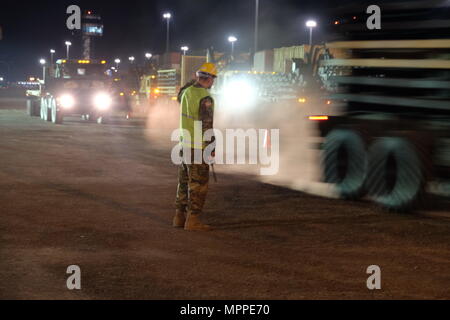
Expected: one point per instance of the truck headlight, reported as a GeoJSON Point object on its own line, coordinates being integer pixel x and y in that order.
{"type": "Point", "coordinates": [66, 101]}
{"type": "Point", "coordinates": [240, 94]}
{"type": "Point", "coordinates": [102, 101]}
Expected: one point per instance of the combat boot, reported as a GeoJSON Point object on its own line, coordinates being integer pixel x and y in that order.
{"type": "Point", "coordinates": [179, 220]}
{"type": "Point", "coordinates": [193, 223]}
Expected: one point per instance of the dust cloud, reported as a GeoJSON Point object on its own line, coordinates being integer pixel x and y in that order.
{"type": "Point", "coordinates": [299, 138]}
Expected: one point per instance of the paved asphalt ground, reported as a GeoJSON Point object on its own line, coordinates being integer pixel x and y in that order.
{"type": "Point", "coordinates": [101, 197]}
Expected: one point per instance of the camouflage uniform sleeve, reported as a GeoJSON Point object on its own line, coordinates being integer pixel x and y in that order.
{"type": "Point", "coordinates": [207, 115]}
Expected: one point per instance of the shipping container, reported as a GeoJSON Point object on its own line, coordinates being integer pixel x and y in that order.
{"type": "Point", "coordinates": [263, 61]}
{"type": "Point", "coordinates": [189, 66]}
{"type": "Point", "coordinates": [283, 57]}
{"type": "Point", "coordinates": [171, 60]}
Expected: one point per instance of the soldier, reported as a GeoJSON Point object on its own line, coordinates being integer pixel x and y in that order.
{"type": "Point", "coordinates": [196, 105]}
{"type": "Point", "coordinates": [187, 85]}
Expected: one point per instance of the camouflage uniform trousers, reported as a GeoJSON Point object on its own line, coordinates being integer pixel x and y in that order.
{"type": "Point", "coordinates": [193, 182]}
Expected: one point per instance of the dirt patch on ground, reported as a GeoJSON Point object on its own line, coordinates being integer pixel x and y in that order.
{"type": "Point", "coordinates": [101, 197]}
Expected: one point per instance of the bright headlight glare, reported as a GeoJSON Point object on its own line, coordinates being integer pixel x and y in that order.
{"type": "Point", "coordinates": [102, 101]}
{"type": "Point", "coordinates": [240, 94]}
{"type": "Point", "coordinates": [66, 101]}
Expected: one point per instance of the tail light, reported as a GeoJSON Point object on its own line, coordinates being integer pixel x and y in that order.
{"type": "Point", "coordinates": [319, 118]}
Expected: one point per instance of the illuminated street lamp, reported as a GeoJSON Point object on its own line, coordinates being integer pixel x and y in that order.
{"type": "Point", "coordinates": [52, 52]}
{"type": "Point", "coordinates": [232, 39]}
{"type": "Point", "coordinates": [148, 56]}
{"type": "Point", "coordinates": [68, 44]}
{"type": "Point", "coordinates": [311, 24]}
{"type": "Point", "coordinates": [184, 49]}
{"type": "Point", "coordinates": [117, 61]}
{"type": "Point", "coordinates": [167, 16]}
{"type": "Point", "coordinates": [43, 62]}
{"type": "Point", "coordinates": [131, 59]}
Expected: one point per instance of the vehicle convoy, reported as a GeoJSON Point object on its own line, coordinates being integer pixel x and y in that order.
{"type": "Point", "coordinates": [73, 87]}
{"type": "Point", "coordinates": [391, 137]}
{"type": "Point", "coordinates": [239, 83]}
{"type": "Point", "coordinates": [278, 76]}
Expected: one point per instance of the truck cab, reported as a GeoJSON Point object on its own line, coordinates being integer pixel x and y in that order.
{"type": "Point", "coordinates": [76, 87]}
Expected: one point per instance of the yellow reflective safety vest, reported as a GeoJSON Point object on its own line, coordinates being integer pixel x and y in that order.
{"type": "Point", "coordinates": [190, 123]}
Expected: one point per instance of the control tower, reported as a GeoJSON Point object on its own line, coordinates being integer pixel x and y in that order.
{"type": "Point", "coordinates": [91, 27]}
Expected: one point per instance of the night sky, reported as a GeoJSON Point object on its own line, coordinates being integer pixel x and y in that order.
{"type": "Point", "coordinates": [31, 28]}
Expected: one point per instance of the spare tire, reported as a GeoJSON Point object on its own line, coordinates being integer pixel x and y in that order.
{"type": "Point", "coordinates": [344, 162]}
{"type": "Point", "coordinates": [397, 174]}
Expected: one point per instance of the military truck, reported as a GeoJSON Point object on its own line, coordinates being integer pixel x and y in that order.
{"type": "Point", "coordinates": [73, 87]}
{"type": "Point", "coordinates": [390, 135]}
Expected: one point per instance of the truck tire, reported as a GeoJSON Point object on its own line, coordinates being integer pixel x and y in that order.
{"type": "Point", "coordinates": [42, 108]}
{"type": "Point", "coordinates": [103, 119]}
{"type": "Point", "coordinates": [344, 162]}
{"type": "Point", "coordinates": [397, 173]}
{"type": "Point", "coordinates": [33, 108]}
{"type": "Point", "coordinates": [91, 118]}
{"type": "Point", "coordinates": [37, 108]}
{"type": "Point", "coordinates": [56, 113]}
{"type": "Point", "coordinates": [30, 107]}
{"type": "Point", "coordinates": [45, 112]}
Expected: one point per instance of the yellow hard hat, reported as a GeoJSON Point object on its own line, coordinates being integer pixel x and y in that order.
{"type": "Point", "coordinates": [208, 69]}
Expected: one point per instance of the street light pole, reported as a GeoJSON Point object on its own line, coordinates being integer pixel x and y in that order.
{"type": "Point", "coordinates": [68, 44]}
{"type": "Point", "coordinates": [43, 62]}
{"type": "Point", "coordinates": [184, 49]}
{"type": "Point", "coordinates": [168, 36]}
{"type": "Point", "coordinates": [310, 36]}
{"type": "Point", "coordinates": [256, 24]}
{"type": "Point", "coordinates": [148, 56]}
{"type": "Point", "coordinates": [167, 16]}
{"type": "Point", "coordinates": [311, 24]}
{"type": "Point", "coordinates": [117, 61]}
{"type": "Point", "coordinates": [232, 39]}
{"type": "Point", "coordinates": [52, 52]}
